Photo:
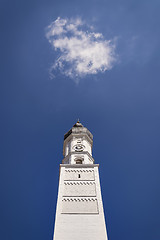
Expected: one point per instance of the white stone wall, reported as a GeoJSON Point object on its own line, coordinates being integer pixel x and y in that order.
{"type": "Point", "coordinates": [85, 174]}
{"type": "Point", "coordinates": [79, 205]}
{"type": "Point", "coordinates": [79, 214]}
{"type": "Point", "coordinates": [79, 189]}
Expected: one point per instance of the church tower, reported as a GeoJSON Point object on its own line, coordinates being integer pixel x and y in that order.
{"type": "Point", "coordinates": [79, 213]}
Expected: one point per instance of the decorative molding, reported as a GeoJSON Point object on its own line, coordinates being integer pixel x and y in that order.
{"type": "Point", "coordinates": [79, 183]}
{"type": "Point", "coordinates": [77, 199]}
{"type": "Point", "coordinates": [81, 170]}
{"type": "Point", "coordinates": [79, 165]}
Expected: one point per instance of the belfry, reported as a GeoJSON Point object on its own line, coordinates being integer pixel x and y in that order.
{"type": "Point", "coordinates": [79, 213]}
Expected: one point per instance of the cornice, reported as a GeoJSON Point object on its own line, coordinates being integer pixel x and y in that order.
{"type": "Point", "coordinates": [79, 165]}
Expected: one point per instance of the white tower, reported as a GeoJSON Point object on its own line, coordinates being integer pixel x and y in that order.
{"type": "Point", "coordinates": [79, 213]}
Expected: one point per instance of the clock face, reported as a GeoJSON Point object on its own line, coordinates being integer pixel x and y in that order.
{"type": "Point", "coordinates": [78, 148]}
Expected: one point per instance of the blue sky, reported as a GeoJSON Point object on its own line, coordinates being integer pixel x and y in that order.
{"type": "Point", "coordinates": [120, 106]}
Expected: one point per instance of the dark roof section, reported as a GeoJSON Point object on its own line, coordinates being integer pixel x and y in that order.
{"type": "Point", "coordinates": [67, 134]}
{"type": "Point", "coordinates": [78, 128]}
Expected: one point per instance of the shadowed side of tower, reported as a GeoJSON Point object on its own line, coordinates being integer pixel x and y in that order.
{"type": "Point", "coordinates": [79, 213]}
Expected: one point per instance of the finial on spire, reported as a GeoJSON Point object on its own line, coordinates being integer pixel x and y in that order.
{"type": "Point", "coordinates": [78, 124]}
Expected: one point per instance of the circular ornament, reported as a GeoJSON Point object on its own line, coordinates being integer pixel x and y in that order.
{"type": "Point", "coordinates": [78, 148]}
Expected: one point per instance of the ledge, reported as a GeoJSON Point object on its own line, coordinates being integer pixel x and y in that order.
{"type": "Point", "coordinates": [79, 165]}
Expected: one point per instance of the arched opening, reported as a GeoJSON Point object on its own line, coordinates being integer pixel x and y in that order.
{"type": "Point", "coordinates": [78, 161]}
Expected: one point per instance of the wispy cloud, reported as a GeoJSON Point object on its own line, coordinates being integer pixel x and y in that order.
{"type": "Point", "coordinates": [82, 51]}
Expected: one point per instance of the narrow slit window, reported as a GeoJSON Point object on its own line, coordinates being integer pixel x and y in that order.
{"type": "Point", "coordinates": [79, 176]}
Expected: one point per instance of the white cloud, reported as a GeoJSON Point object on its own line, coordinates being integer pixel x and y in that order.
{"type": "Point", "coordinates": [82, 51]}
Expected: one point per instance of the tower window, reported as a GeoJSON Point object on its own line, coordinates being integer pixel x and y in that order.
{"type": "Point", "coordinates": [78, 161]}
{"type": "Point", "coordinates": [79, 176]}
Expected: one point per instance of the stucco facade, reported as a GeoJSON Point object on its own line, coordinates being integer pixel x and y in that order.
{"type": "Point", "coordinates": [79, 213]}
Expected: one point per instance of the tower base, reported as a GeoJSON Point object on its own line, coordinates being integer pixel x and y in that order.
{"type": "Point", "coordinates": [79, 213]}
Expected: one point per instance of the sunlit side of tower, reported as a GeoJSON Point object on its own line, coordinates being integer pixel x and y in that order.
{"type": "Point", "coordinates": [79, 213]}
